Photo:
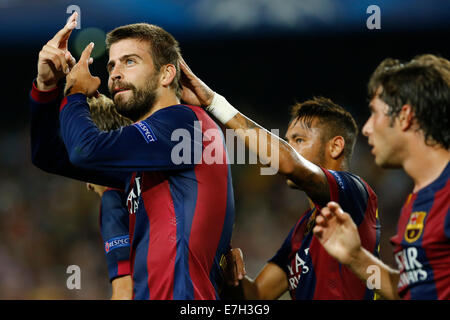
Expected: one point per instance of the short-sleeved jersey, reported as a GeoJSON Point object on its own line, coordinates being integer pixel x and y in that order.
{"type": "Point", "coordinates": [422, 242]}
{"type": "Point", "coordinates": [174, 170]}
{"type": "Point", "coordinates": [114, 228]}
{"type": "Point", "coordinates": [311, 272]}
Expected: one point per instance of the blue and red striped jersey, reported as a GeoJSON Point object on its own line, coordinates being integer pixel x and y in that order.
{"type": "Point", "coordinates": [180, 201]}
{"type": "Point", "coordinates": [311, 272]}
{"type": "Point", "coordinates": [422, 242]}
{"type": "Point", "coordinates": [114, 228]}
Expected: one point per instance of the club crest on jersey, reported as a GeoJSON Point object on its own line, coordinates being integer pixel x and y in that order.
{"type": "Point", "coordinates": [415, 226]}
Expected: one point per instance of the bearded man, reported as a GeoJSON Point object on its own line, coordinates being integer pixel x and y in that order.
{"type": "Point", "coordinates": [181, 212]}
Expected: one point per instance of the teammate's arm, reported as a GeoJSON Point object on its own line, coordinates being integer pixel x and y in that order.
{"type": "Point", "coordinates": [114, 225]}
{"type": "Point", "coordinates": [270, 284]}
{"type": "Point", "coordinates": [48, 151]}
{"type": "Point", "coordinates": [306, 175]}
{"type": "Point", "coordinates": [338, 234]}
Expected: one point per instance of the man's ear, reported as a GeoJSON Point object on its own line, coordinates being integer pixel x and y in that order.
{"type": "Point", "coordinates": [405, 117]}
{"type": "Point", "coordinates": [168, 73]}
{"type": "Point", "coordinates": [336, 147]}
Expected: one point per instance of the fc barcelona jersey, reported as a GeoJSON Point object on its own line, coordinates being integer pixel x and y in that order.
{"type": "Point", "coordinates": [422, 242]}
{"type": "Point", "coordinates": [311, 272]}
{"type": "Point", "coordinates": [178, 191]}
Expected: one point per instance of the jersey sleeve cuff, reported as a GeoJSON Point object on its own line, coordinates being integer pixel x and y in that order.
{"type": "Point", "coordinates": [43, 96]}
{"type": "Point", "coordinates": [123, 269]}
{"type": "Point", "coordinates": [72, 98]}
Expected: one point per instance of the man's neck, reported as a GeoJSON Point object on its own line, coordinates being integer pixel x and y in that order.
{"type": "Point", "coordinates": [424, 164]}
{"type": "Point", "coordinates": [336, 165]}
{"type": "Point", "coordinates": [163, 102]}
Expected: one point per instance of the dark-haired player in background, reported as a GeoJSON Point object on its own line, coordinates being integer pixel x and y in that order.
{"type": "Point", "coordinates": [409, 128]}
{"type": "Point", "coordinates": [181, 214]}
{"type": "Point", "coordinates": [321, 138]}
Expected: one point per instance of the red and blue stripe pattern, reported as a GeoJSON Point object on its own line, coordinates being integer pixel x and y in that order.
{"type": "Point", "coordinates": [183, 227]}
{"type": "Point", "coordinates": [422, 242]}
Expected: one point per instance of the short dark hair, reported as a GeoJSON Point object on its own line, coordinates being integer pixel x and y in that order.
{"type": "Point", "coordinates": [104, 114]}
{"type": "Point", "coordinates": [423, 83]}
{"type": "Point", "coordinates": [332, 117]}
{"type": "Point", "coordinates": [164, 48]}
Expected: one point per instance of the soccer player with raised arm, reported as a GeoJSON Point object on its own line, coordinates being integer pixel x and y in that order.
{"type": "Point", "coordinates": [181, 212]}
{"type": "Point", "coordinates": [315, 159]}
{"type": "Point", "coordinates": [408, 128]}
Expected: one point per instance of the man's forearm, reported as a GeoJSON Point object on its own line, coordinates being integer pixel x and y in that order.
{"type": "Point", "coordinates": [249, 289]}
{"type": "Point", "coordinates": [273, 151]}
{"type": "Point", "coordinates": [360, 265]}
{"type": "Point", "coordinates": [48, 150]}
{"type": "Point", "coordinates": [122, 288]}
{"type": "Point", "coordinates": [270, 149]}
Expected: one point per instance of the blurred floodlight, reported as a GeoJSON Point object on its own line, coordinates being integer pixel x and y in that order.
{"type": "Point", "coordinates": [85, 36]}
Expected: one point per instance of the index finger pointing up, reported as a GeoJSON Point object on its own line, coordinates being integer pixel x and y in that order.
{"type": "Point", "coordinates": [65, 32]}
{"type": "Point", "coordinates": [86, 53]}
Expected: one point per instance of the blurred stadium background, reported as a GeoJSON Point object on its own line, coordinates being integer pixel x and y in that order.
{"type": "Point", "coordinates": [263, 55]}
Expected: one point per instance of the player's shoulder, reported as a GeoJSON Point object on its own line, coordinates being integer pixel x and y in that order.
{"type": "Point", "coordinates": [442, 182]}
{"type": "Point", "coordinates": [177, 111]}
{"type": "Point", "coordinates": [176, 116]}
{"type": "Point", "coordinates": [352, 187]}
{"type": "Point", "coordinates": [437, 191]}
{"type": "Point", "coordinates": [344, 179]}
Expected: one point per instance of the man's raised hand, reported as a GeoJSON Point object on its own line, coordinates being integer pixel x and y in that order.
{"type": "Point", "coordinates": [195, 91]}
{"type": "Point", "coordinates": [55, 61]}
{"type": "Point", "coordinates": [80, 80]}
